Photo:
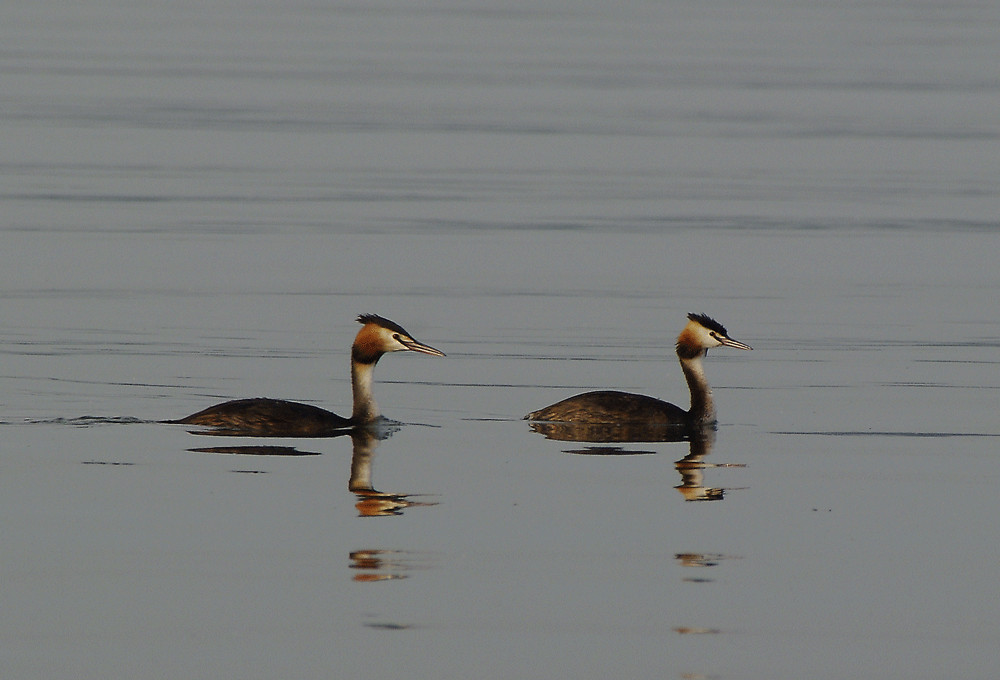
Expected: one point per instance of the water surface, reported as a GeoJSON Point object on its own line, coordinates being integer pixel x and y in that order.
{"type": "Point", "coordinates": [198, 200]}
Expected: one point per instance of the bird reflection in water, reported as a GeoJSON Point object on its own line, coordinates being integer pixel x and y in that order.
{"type": "Point", "coordinates": [264, 450]}
{"type": "Point", "coordinates": [387, 565]}
{"type": "Point", "coordinates": [701, 561]}
{"type": "Point", "coordinates": [691, 467]}
{"type": "Point", "coordinates": [373, 503]}
{"type": "Point", "coordinates": [377, 564]}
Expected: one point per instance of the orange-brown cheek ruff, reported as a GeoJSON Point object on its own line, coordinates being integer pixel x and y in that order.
{"type": "Point", "coordinates": [688, 345]}
{"type": "Point", "coordinates": [368, 346]}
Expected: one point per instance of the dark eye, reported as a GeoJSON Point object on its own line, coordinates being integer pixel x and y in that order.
{"type": "Point", "coordinates": [395, 336]}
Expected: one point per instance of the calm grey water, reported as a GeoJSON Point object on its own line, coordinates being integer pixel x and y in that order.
{"type": "Point", "coordinates": [198, 199]}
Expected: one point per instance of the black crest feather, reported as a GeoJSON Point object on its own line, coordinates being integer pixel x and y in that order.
{"type": "Point", "coordinates": [709, 323]}
{"type": "Point", "coordinates": [383, 322]}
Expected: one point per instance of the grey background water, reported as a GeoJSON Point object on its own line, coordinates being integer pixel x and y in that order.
{"type": "Point", "coordinates": [198, 198]}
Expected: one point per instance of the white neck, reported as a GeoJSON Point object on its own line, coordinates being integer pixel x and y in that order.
{"type": "Point", "coordinates": [702, 407]}
{"type": "Point", "coordinates": [365, 408]}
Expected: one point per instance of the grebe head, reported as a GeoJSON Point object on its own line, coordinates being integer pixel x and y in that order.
{"type": "Point", "coordinates": [702, 334]}
{"type": "Point", "coordinates": [380, 335]}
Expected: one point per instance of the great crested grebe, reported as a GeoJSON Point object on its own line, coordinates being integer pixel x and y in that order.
{"type": "Point", "coordinates": [275, 417]}
{"type": "Point", "coordinates": [609, 407]}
